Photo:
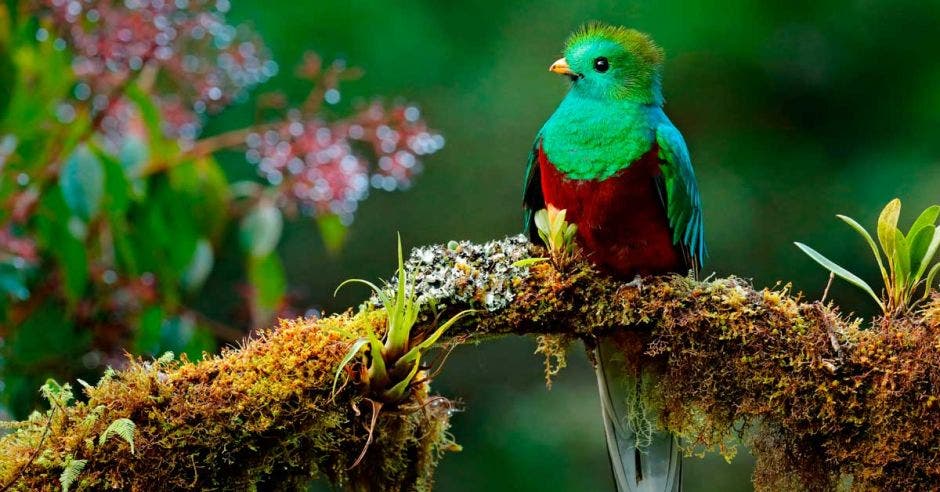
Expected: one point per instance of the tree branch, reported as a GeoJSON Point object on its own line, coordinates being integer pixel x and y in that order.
{"type": "Point", "coordinates": [818, 396]}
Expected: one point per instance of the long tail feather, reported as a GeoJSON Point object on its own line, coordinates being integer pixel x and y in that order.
{"type": "Point", "coordinates": [643, 458]}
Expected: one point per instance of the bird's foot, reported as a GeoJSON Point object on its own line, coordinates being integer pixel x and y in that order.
{"type": "Point", "coordinates": [636, 283]}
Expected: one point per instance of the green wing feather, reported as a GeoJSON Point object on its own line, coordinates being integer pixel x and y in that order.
{"type": "Point", "coordinates": [532, 198]}
{"type": "Point", "coordinates": [683, 202]}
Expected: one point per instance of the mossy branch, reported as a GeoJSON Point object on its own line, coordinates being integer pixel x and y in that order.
{"type": "Point", "coordinates": [822, 399]}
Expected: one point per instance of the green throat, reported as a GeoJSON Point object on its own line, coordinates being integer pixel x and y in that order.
{"type": "Point", "coordinates": [592, 139]}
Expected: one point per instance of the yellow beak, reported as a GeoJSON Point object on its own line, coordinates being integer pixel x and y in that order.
{"type": "Point", "coordinates": [561, 67]}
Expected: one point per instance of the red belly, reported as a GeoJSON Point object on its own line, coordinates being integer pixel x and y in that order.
{"type": "Point", "coordinates": [622, 223]}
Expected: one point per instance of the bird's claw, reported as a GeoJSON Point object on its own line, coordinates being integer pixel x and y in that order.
{"type": "Point", "coordinates": [636, 283]}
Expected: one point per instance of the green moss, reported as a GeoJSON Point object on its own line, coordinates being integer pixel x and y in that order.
{"type": "Point", "coordinates": [823, 399]}
{"type": "Point", "coordinates": [261, 414]}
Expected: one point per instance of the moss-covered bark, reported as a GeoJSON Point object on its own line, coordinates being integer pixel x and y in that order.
{"type": "Point", "coordinates": [260, 414]}
{"type": "Point", "coordinates": [822, 399]}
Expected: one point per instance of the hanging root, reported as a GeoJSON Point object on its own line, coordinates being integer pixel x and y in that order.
{"type": "Point", "coordinates": [555, 350]}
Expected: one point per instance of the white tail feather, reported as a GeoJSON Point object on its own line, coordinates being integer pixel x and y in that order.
{"type": "Point", "coordinates": [643, 458]}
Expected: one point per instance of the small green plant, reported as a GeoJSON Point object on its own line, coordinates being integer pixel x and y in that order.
{"type": "Point", "coordinates": [908, 257]}
{"type": "Point", "coordinates": [70, 472]}
{"type": "Point", "coordinates": [123, 428]}
{"type": "Point", "coordinates": [389, 367]}
{"type": "Point", "coordinates": [557, 234]}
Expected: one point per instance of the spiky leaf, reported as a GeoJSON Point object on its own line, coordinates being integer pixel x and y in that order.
{"type": "Point", "coordinates": [403, 313]}
{"type": "Point", "coordinates": [415, 352]}
{"type": "Point", "coordinates": [353, 351]}
{"type": "Point", "coordinates": [377, 373]}
{"type": "Point", "coordinates": [375, 288]}
{"type": "Point", "coordinates": [397, 391]}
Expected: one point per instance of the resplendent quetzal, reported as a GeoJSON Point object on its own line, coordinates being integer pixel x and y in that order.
{"type": "Point", "coordinates": [611, 158]}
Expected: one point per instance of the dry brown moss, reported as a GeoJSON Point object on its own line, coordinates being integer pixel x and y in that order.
{"type": "Point", "coordinates": [822, 399]}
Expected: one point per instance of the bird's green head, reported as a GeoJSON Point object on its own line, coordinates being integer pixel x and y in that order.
{"type": "Point", "coordinates": [612, 62]}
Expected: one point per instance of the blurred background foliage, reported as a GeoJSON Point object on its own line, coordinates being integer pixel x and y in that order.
{"type": "Point", "coordinates": [793, 111]}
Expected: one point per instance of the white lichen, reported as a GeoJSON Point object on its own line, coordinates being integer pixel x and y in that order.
{"type": "Point", "coordinates": [479, 275]}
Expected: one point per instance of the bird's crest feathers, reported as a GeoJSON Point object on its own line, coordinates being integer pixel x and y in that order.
{"type": "Point", "coordinates": [636, 42]}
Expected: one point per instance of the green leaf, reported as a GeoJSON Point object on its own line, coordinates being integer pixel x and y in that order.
{"type": "Point", "coordinates": [73, 468]}
{"type": "Point", "coordinates": [70, 253]}
{"type": "Point", "coordinates": [927, 218]}
{"type": "Point", "coordinates": [397, 391]}
{"type": "Point", "coordinates": [82, 183]}
{"type": "Point", "coordinates": [403, 312]}
{"type": "Point", "coordinates": [527, 262]}
{"type": "Point", "coordinates": [542, 226]}
{"type": "Point", "coordinates": [928, 255]}
{"type": "Point", "coordinates": [261, 229]}
{"type": "Point", "coordinates": [379, 292]}
{"type": "Point", "coordinates": [117, 188]}
{"type": "Point", "coordinates": [205, 190]}
{"type": "Point", "coordinates": [332, 232]}
{"type": "Point", "coordinates": [920, 244]}
{"type": "Point", "coordinates": [887, 224]}
{"type": "Point", "coordinates": [839, 271]}
{"type": "Point", "coordinates": [160, 236]}
{"type": "Point", "coordinates": [902, 259]}
{"type": "Point", "coordinates": [199, 267]}
{"type": "Point", "coordinates": [353, 351]}
{"type": "Point", "coordinates": [123, 428]}
{"type": "Point", "coordinates": [415, 352]}
{"type": "Point", "coordinates": [558, 225]}
{"type": "Point", "coordinates": [871, 242]}
{"type": "Point", "coordinates": [377, 370]}
{"type": "Point", "coordinates": [928, 285]}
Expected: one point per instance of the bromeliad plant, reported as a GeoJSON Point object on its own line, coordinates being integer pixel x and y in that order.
{"type": "Point", "coordinates": [908, 257]}
{"type": "Point", "coordinates": [389, 367]}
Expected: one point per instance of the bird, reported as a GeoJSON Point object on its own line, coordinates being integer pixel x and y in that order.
{"type": "Point", "coordinates": [611, 158]}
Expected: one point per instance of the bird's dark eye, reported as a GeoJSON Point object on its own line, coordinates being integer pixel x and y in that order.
{"type": "Point", "coordinates": [601, 64]}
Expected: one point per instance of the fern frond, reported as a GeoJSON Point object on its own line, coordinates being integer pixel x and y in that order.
{"type": "Point", "coordinates": [70, 473]}
{"type": "Point", "coordinates": [123, 428]}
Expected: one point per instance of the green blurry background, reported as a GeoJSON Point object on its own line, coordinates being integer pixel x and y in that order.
{"type": "Point", "coordinates": [793, 111]}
